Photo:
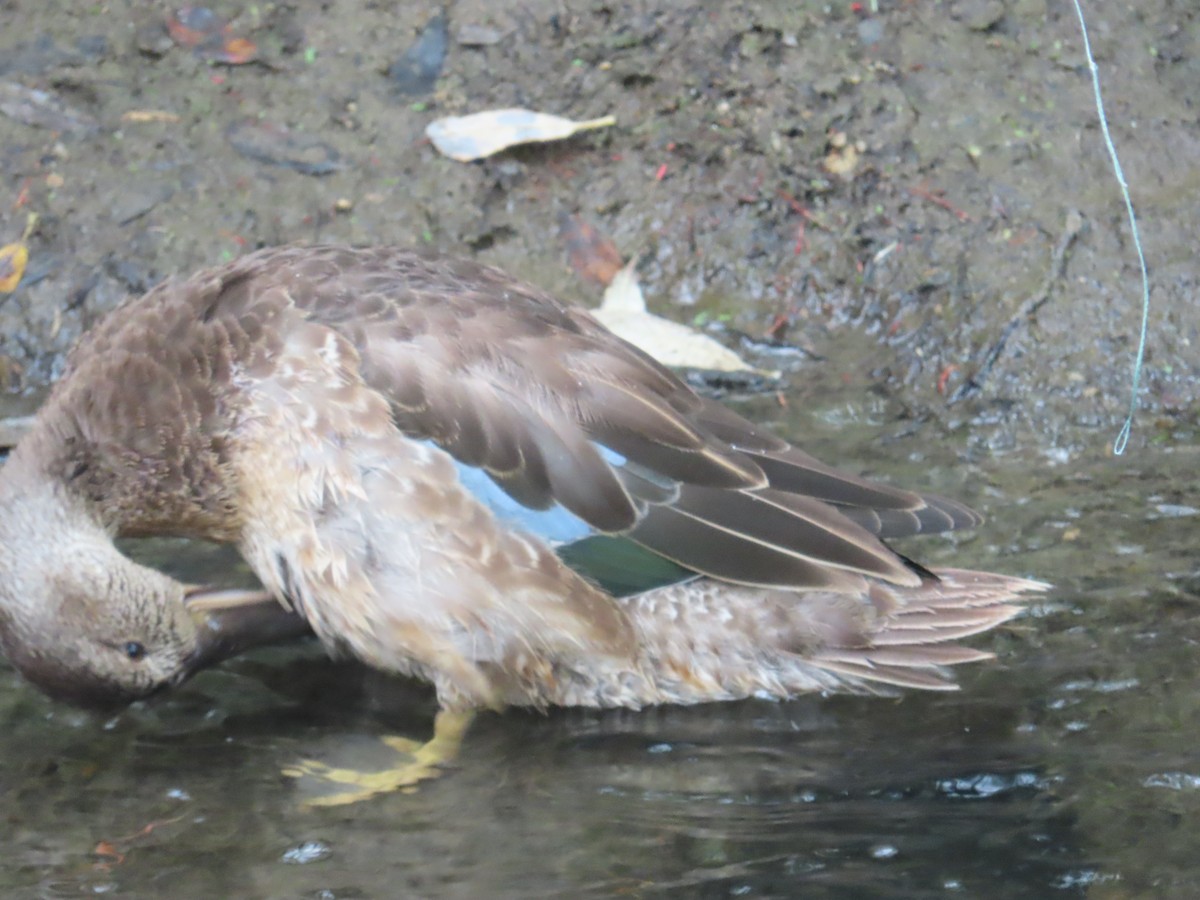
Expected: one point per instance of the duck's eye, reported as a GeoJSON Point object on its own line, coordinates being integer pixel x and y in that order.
{"type": "Point", "coordinates": [134, 650]}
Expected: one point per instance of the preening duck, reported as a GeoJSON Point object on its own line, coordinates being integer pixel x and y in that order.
{"type": "Point", "coordinates": [452, 475]}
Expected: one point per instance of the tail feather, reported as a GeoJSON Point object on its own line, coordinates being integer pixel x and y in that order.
{"type": "Point", "coordinates": [943, 628]}
{"type": "Point", "coordinates": [860, 679]}
{"type": "Point", "coordinates": [915, 655]}
{"type": "Point", "coordinates": [709, 640]}
{"type": "Point", "coordinates": [911, 645]}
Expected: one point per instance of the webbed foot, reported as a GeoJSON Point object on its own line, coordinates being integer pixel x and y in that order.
{"type": "Point", "coordinates": [425, 762]}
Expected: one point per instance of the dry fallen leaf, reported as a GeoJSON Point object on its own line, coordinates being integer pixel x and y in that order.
{"type": "Point", "coordinates": [592, 255]}
{"type": "Point", "coordinates": [13, 258]}
{"type": "Point", "coordinates": [238, 51]}
{"type": "Point", "coordinates": [109, 855]}
{"type": "Point", "coordinates": [842, 158]}
{"type": "Point", "coordinates": [467, 138]}
{"type": "Point", "coordinates": [623, 311]}
{"type": "Point", "coordinates": [209, 36]}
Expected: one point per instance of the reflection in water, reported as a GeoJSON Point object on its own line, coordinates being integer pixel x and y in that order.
{"type": "Point", "coordinates": [1067, 767]}
{"type": "Point", "coordinates": [845, 795]}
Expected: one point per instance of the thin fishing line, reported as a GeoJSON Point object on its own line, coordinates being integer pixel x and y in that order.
{"type": "Point", "coordinates": [1123, 435]}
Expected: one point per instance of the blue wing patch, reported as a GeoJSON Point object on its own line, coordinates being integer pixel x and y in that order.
{"type": "Point", "coordinates": [617, 564]}
{"type": "Point", "coordinates": [556, 525]}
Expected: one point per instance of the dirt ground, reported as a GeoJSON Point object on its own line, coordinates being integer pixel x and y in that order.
{"type": "Point", "coordinates": [922, 173]}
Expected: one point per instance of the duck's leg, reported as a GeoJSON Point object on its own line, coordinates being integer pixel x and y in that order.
{"type": "Point", "coordinates": [424, 762]}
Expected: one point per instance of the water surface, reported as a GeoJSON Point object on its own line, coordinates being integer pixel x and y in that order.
{"type": "Point", "coordinates": [1066, 767]}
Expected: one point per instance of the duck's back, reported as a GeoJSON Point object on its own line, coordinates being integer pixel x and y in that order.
{"type": "Point", "coordinates": [424, 454]}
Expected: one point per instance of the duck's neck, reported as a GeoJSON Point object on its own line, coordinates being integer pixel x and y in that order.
{"type": "Point", "coordinates": [128, 491]}
{"type": "Point", "coordinates": [45, 531]}
{"type": "Point", "coordinates": [37, 508]}
{"type": "Point", "coordinates": [37, 482]}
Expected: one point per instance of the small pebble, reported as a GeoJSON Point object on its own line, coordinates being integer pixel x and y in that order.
{"type": "Point", "coordinates": [478, 36]}
{"type": "Point", "coordinates": [870, 32]}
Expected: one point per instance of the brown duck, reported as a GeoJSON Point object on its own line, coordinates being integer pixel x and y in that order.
{"type": "Point", "coordinates": [450, 474]}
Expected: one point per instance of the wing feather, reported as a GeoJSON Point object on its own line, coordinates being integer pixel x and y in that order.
{"type": "Point", "coordinates": [559, 411]}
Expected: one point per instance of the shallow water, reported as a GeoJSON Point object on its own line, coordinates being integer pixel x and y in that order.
{"type": "Point", "coordinates": [1065, 767]}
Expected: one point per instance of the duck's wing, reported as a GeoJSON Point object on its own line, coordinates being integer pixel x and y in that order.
{"type": "Point", "coordinates": [568, 429]}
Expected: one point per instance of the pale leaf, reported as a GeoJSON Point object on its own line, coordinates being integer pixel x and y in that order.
{"type": "Point", "coordinates": [623, 312]}
{"type": "Point", "coordinates": [467, 138]}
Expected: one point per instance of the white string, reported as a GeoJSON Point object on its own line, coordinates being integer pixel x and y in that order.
{"type": "Point", "coordinates": [1123, 435]}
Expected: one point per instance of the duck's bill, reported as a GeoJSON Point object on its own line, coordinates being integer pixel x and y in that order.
{"type": "Point", "coordinates": [232, 622]}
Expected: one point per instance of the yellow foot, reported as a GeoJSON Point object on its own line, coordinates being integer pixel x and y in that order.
{"type": "Point", "coordinates": [426, 762]}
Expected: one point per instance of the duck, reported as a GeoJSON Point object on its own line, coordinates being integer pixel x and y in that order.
{"type": "Point", "coordinates": [451, 475]}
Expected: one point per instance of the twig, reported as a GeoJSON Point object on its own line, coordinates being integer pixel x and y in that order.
{"type": "Point", "coordinates": [800, 209]}
{"type": "Point", "coordinates": [1058, 266]}
{"type": "Point", "coordinates": [938, 200]}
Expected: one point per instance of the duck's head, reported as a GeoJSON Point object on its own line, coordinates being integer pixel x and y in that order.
{"type": "Point", "coordinates": [87, 625]}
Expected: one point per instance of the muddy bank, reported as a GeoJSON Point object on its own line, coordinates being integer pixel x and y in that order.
{"type": "Point", "coordinates": [907, 174]}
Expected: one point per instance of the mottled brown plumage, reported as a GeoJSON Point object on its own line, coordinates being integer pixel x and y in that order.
{"type": "Point", "coordinates": [317, 405]}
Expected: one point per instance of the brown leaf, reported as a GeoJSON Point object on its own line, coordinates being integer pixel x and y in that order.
{"type": "Point", "coordinates": [192, 25]}
{"type": "Point", "coordinates": [108, 853]}
{"type": "Point", "coordinates": [212, 38]}
{"type": "Point", "coordinates": [238, 51]}
{"type": "Point", "coordinates": [592, 255]}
